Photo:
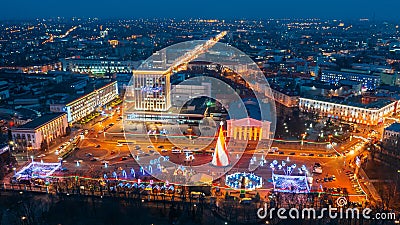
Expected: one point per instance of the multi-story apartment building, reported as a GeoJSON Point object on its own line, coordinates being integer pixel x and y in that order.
{"type": "Point", "coordinates": [78, 108]}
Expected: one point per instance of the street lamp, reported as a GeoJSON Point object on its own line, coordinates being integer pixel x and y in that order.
{"type": "Point", "coordinates": [303, 136]}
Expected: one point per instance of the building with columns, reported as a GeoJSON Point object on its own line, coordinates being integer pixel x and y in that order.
{"type": "Point", "coordinates": [248, 129]}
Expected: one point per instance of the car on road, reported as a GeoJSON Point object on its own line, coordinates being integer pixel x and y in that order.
{"type": "Point", "coordinates": [112, 152]}
{"type": "Point", "coordinates": [150, 146]}
{"type": "Point", "coordinates": [303, 154]}
{"type": "Point", "coordinates": [160, 146]}
{"type": "Point", "coordinates": [164, 150]}
{"type": "Point", "coordinates": [119, 145]}
{"type": "Point", "coordinates": [320, 155]}
{"type": "Point", "coordinates": [64, 169]}
{"type": "Point", "coordinates": [311, 154]}
{"type": "Point", "coordinates": [93, 159]}
{"type": "Point", "coordinates": [317, 168]}
{"type": "Point", "coordinates": [123, 158]}
{"type": "Point", "coordinates": [89, 154]}
{"type": "Point", "coordinates": [281, 153]}
{"type": "Point", "coordinates": [176, 151]}
{"type": "Point", "coordinates": [41, 155]}
{"type": "Point", "coordinates": [273, 149]}
{"type": "Point", "coordinates": [292, 153]}
{"type": "Point", "coordinates": [97, 146]}
{"type": "Point", "coordinates": [333, 177]}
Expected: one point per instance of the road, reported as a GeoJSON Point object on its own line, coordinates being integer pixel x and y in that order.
{"type": "Point", "coordinates": [119, 157]}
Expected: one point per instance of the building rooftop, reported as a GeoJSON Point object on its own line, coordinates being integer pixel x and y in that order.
{"type": "Point", "coordinates": [394, 127]}
{"type": "Point", "coordinates": [353, 72]}
{"type": "Point", "coordinates": [90, 87]}
{"type": "Point", "coordinates": [353, 101]}
{"type": "Point", "coordinates": [321, 85]}
{"type": "Point", "coordinates": [40, 121]}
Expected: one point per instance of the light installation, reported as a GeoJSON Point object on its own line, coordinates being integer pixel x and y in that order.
{"type": "Point", "coordinates": [247, 181]}
{"type": "Point", "coordinates": [289, 178]}
{"type": "Point", "coordinates": [221, 156]}
{"type": "Point", "coordinates": [37, 170]}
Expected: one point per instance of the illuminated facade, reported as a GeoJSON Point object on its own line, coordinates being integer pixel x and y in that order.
{"type": "Point", "coordinates": [286, 100]}
{"type": "Point", "coordinates": [83, 106]}
{"type": "Point", "coordinates": [248, 129]}
{"type": "Point", "coordinates": [150, 90]}
{"type": "Point", "coordinates": [368, 81]}
{"type": "Point", "coordinates": [369, 114]}
{"type": "Point", "coordinates": [97, 66]}
{"type": "Point", "coordinates": [43, 130]}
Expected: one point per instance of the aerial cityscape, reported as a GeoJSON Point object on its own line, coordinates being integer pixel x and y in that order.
{"type": "Point", "coordinates": [199, 120]}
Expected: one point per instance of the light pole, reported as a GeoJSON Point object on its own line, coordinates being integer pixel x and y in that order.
{"type": "Point", "coordinates": [303, 136]}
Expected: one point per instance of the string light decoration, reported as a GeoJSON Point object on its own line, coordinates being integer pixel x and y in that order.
{"type": "Point", "coordinates": [247, 181]}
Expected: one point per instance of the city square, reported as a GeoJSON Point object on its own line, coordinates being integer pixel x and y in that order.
{"type": "Point", "coordinates": [199, 121]}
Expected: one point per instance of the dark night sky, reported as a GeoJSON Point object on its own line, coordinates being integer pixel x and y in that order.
{"type": "Point", "coordinates": [331, 9]}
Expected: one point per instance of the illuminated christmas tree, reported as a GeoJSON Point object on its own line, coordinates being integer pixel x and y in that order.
{"type": "Point", "coordinates": [221, 156]}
